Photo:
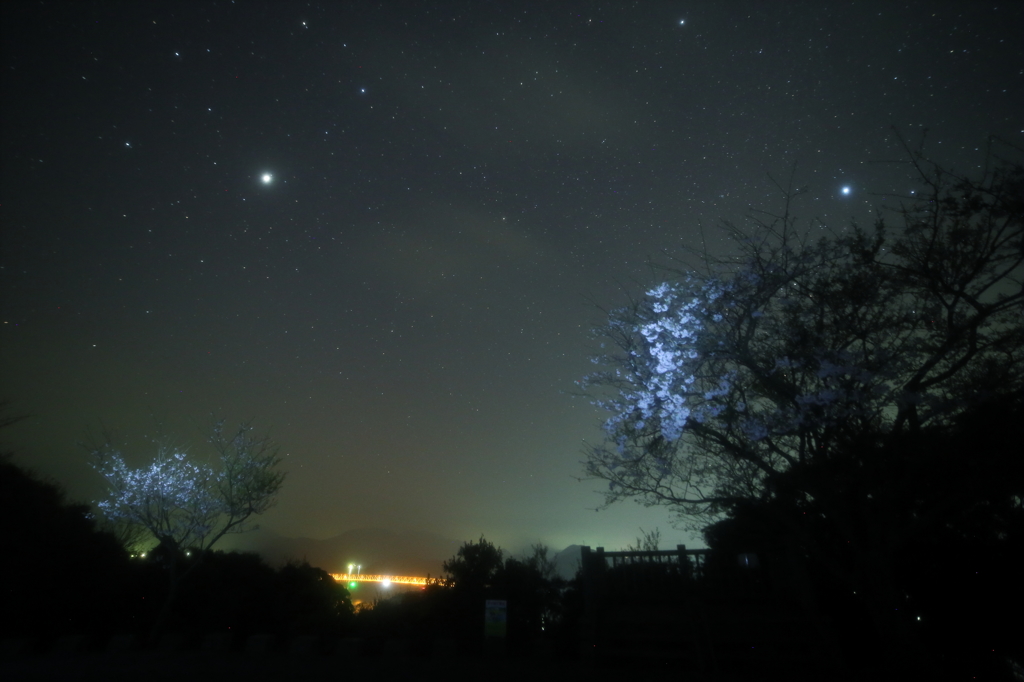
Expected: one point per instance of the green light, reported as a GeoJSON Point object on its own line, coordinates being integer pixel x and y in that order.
{"type": "Point", "coordinates": [352, 585]}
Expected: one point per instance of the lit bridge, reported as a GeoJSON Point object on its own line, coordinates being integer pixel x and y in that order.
{"type": "Point", "coordinates": [386, 579]}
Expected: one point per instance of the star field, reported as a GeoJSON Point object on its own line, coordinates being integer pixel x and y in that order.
{"type": "Point", "coordinates": [382, 228]}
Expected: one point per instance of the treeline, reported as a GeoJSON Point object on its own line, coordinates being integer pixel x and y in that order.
{"type": "Point", "coordinates": [946, 506]}
{"type": "Point", "coordinates": [62, 575]}
{"type": "Point", "coordinates": [540, 605]}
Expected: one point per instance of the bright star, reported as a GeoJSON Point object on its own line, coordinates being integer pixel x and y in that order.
{"type": "Point", "coordinates": [682, 21]}
{"type": "Point", "coordinates": [846, 190]}
{"type": "Point", "coordinates": [267, 177]}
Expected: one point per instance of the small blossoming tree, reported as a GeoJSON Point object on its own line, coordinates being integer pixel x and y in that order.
{"type": "Point", "coordinates": [187, 505]}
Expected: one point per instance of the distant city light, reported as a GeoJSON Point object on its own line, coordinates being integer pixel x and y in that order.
{"type": "Point", "coordinates": [355, 578]}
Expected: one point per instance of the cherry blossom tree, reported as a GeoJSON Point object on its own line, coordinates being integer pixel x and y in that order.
{"type": "Point", "coordinates": [187, 504]}
{"type": "Point", "coordinates": [803, 379]}
{"type": "Point", "coordinates": [720, 382]}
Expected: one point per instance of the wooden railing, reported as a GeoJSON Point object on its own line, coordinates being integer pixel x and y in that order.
{"type": "Point", "coordinates": [679, 556]}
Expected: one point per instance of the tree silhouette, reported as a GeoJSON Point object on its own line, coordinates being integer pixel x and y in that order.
{"type": "Point", "coordinates": [474, 566]}
{"type": "Point", "coordinates": [801, 377]}
{"type": "Point", "coordinates": [480, 571]}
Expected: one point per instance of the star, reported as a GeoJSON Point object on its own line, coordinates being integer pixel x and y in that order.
{"type": "Point", "coordinates": [846, 190]}
{"type": "Point", "coordinates": [267, 178]}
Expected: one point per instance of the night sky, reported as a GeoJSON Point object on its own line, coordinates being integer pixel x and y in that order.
{"type": "Point", "coordinates": [383, 229]}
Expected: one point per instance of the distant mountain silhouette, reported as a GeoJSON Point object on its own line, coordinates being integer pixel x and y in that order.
{"type": "Point", "coordinates": [377, 551]}
{"type": "Point", "coordinates": [567, 561]}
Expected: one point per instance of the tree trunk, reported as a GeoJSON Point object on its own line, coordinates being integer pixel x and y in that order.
{"type": "Point", "coordinates": [165, 612]}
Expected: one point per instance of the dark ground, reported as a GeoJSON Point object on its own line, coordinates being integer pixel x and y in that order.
{"type": "Point", "coordinates": [197, 666]}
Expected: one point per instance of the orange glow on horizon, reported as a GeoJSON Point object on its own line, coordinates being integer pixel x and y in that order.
{"type": "Point", "coordinates": [367, 578]}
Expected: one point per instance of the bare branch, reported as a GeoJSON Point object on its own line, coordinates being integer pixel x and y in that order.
{"type": "Point", "coordinates": [724, 378]}
{"type": "Point", "coordinates": [184, 503]}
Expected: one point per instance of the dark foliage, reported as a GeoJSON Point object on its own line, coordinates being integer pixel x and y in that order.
{"type": "Point", "coordinates": [946, 503]}
{"type": "Point", "coordinates": [453, 607]}
{"type": "Point", "coordinates": [238, 594]}
{"type": "Point", "coordinates": [310, 601]}
{"type": "Point", "coordinates": [60, 575]}
{"type": "Point", "coordinates": [474, 566]}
